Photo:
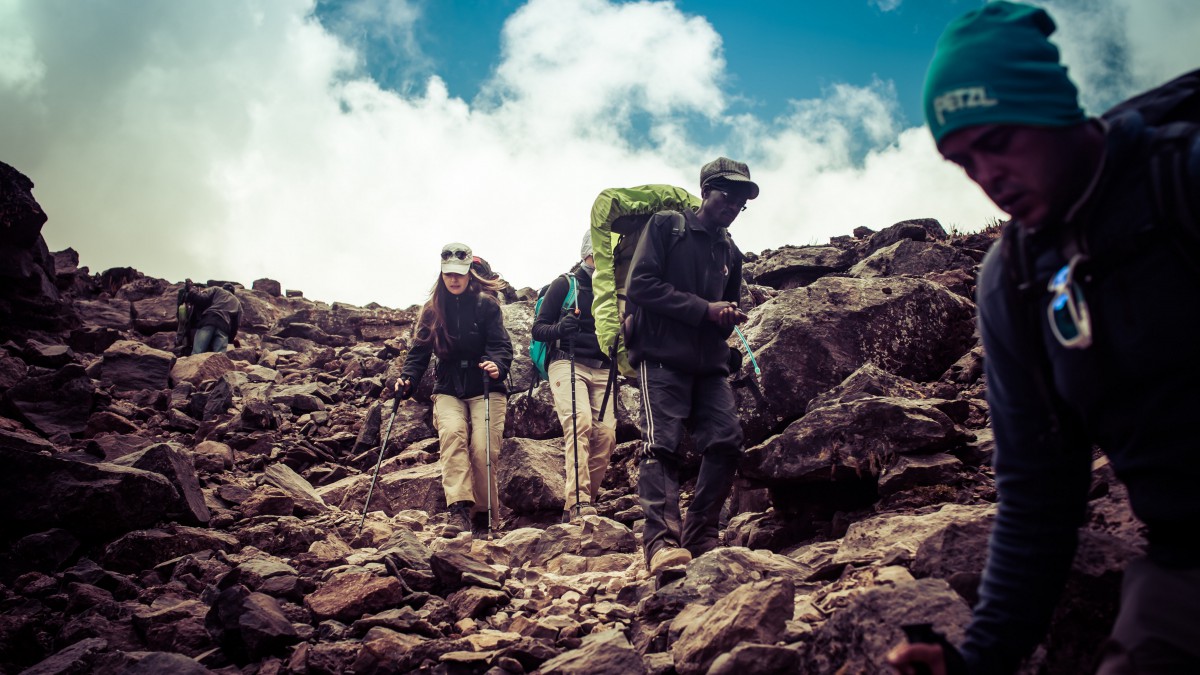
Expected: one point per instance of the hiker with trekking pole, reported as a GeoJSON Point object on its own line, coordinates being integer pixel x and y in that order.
{"type": "Point", "coordinates": [461, 324]}
{"type": "Point", "coordinates": [1085, 310]}
{"type": "Point", "coordinates": [578, 372]}
{"type": "Point", "coordinates": [683, 288]}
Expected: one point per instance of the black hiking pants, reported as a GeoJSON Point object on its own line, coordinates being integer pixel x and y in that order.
{"type": "Point", "coordinates": [706, 405]}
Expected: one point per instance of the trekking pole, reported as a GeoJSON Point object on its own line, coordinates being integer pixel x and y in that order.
{"type": "Point", "coordinates": [487, 422]}
{"type": "Point", "coordinates": [612, 380]}
{"type": "Point", "coordinates": [753, 361]}
{"type": "Point", "coordinates": [574, 420]}
{"type": "Point", "coordinates": [379, 462]}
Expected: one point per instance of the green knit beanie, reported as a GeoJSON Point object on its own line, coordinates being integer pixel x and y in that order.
{"type": "Point", "coordinates": [995, 65]}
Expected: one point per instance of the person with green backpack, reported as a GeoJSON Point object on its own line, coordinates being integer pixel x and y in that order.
{"type": "Point", "coordinates": [577, 370]}
{"type": "Point", "coordinates": [1089, 331]}
{"type": "Point", "coordinates": [684, 284]}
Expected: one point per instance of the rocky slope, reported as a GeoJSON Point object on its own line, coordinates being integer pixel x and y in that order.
{"type": "Point", "coordinates": [197, 514]}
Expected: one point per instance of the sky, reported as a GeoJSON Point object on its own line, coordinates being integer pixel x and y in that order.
{"type": "Point", "coordinates": [335, 145]}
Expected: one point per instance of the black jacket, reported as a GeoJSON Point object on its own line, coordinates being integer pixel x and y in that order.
{"type": "Point", "coordinates": [216, 307]}
{"type": "Point", "coordinates": [545, 325]}
{"type": "Point", "coordinates": [1132, 392]}
{"type": "Point", "coordinates": [671, 281]}
{"type": "Point", "coordinates": [477, 334]}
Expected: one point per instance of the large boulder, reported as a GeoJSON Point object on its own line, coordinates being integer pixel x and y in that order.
{"type": "Point", "coordinates": [416, 487]}
{"type": "Point", "coordinates": [92, 501]}
{"type": "Point", "coordinates": [144, 549]}
{"type": "Point", "coordinates": [106, 312]}
{"type": "Point", "coordinates": [29, 297]}
{"type": "Point", "coordinates": [913, 258]}
{"type": "Point", "coordinates": [175, 464]}
{"type": "Point", "coordinates": [55, 404]}
{"type": "Point", "coordinates": [532, 476]}
{"type": "Point", "coordinates": [249, 626]}
{"type": "Point", "coordinates": [850, 442]}
{"type": "Point", "coordinates": [157, 313]}
{"type": "Point", "coordinates": [809, 339]}
{"type": "Point", "coordinates": [857, 637]}
{"type": "Point", "coordinates": [756, 612]}
{"type": "Point", "coordinates": [796, 266]}
{"type": "Point", "coordinates": [200, 368]}
{"type": "Point", "coordinates": [518, 320]}
{"type": "Point", "coordinates": [412, 423]}
{"type": "Point", "coordinates": [132, 366]}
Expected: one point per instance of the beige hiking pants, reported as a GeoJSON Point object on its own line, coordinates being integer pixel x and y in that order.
{"type": "Point", "coordinates": [463, 448]}
{"type": "Point", "coordinates": [596, 439]}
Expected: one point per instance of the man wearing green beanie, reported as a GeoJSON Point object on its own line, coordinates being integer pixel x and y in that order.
{"type": "Point", "coordinates": [1088, 326]}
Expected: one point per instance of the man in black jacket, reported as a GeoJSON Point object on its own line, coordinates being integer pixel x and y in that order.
{"type": "Point", "coordinates": [1089, 330]}
{"type": "Point", "coordinates": [588, 441]}
{"type": "Point", "coordinates": [684, 283]}
{"type": "Point", "coordinates": [218, 313]}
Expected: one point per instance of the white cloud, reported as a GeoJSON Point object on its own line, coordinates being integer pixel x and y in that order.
{"type": "Point", "coordinates": [1119, 47]}
{"type": "Point", "coordinates": [885, 5]}
{"type": "Point", "coordinates": [241, 140]}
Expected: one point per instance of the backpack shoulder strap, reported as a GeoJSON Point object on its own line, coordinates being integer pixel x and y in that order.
{"type": "Point", "coordinates": [1173, 170]}
{"type": "Point", "coordinates": [1026, 314]}
{"type": "Point", "coordinates": [572, 296]}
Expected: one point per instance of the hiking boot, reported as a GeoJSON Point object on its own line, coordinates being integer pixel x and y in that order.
{"type": "Point", "coordinates": [460, 515]}
{"type": "Point", "coordinates": [479, 524]}
{"type": "Point", "coordinates": [669, 557]}
{"type": "Point", "coordinates": [584, 509]}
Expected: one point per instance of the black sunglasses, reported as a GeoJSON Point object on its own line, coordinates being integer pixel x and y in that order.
{"type": "Point", "coordinates": [728, 195]}
{"type": "Point", "coordinates": [461, 255]}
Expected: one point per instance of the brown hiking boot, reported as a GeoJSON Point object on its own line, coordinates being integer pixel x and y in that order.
{"type": "Point", "coordinates": [583, 509]}
{"type": "Point", "coordinates": [460, 515]}
{"type": "Point", "coordinates": [669, 557]}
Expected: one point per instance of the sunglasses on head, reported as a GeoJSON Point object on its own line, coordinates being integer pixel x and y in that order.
{"type": "Point", "coordinates": [461, 255]}
{"type": "Point", "coordinates": [1070, 320]}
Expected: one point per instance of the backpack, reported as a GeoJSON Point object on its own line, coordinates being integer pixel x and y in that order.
{"type": "Point", "coordinates": [618, 216]}
{"type": "Point", "coordinates": [539, 352]}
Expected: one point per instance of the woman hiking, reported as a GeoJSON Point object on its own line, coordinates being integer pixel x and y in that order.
{"type": "Point", "coordinates": [462, 325]}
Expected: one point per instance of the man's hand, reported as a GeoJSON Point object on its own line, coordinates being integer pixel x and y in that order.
{"type": "Point", "coordinates": [400, 389]}
{"type": "Point", "coordinates": [907, 658]}
{"type": "Point", "coordinates": [568, 326]}
{"type": "Point", "coordinates": [490, 368]}
{"type": "Point", "coordinates": [725, 314]}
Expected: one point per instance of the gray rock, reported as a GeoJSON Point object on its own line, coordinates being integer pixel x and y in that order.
{"type": "Point", "coordinates": [249, 626]}
{"type": "Point", "coordinates": [532, 476]}
{"type": "Point", "coordinates": [850, 442]}
{"type": "Point", "coordinates": [92, 501]}
{"type": "Point", "coordinates": [295, 486]}
{"type": "Point", "coordinates": [174, 463]}
{"type": "Point", "coordinates": [856, 638]}
{"type": "Point", "coordinates": [913, 258]}
{"type": "Point", "coordinates": [604, 652]}
{"type": "Point", "coordinates": [130, 365]}
{"type": "Point", "coordinates": [143, 549]}
{"type": "Point", "coordinates": [796, 266]}
{"type": "Point", "coordinates": [55, 404]}
{"type": "Point", "coordinates": [808, 340]}
{"type": "Point", "coordinates": [755, 612]}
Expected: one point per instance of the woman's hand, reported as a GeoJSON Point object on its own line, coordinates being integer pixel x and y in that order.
{"type": "Point", "coordinates": [398, 390]}
{"type": "Point", "coordinates": [490, 368]}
